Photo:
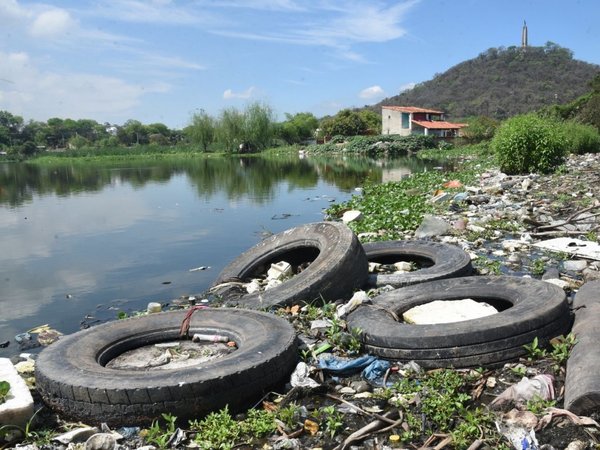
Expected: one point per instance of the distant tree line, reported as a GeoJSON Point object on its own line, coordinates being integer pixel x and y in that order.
{"type": "Point", "coordinates": [249, 130]}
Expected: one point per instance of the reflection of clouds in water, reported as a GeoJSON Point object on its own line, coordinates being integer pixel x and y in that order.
{"type": "Point", "coordinates": [49, 220]}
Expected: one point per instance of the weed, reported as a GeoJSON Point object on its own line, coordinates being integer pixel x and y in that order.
{"type": "Point", "coordinates": [217, 430]}
{"type": "Point", "coordinates": [158, 436]}
{"type": "Point", "coordinates": [534, 351]}
{"type": "Point", "coordinates": [290, 415]}
{"type": "Point", "coordinates": [519, 370]}
{"type": "Point", "coordinates": [592, 236]}
{"type": "Point", "coordinates": [538, 267]}
{"type": "Point", "coordinates": [561, 348]}
{"type": "Point", "coordinates": [491, 266]}
{"type": "Point", "coordinates": [122, 315]}
{"type": "Point", "coordinates": [334, 419]}
{"type": "Point", "coordinates": [538, 405]}
{"type": "Point", "coordinates": [258, 423]}
{"type": "Point", "coordinates": [4, 389]}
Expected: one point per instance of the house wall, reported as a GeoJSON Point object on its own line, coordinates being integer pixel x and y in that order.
{"type": "Point", "coordinates": [391, 123]}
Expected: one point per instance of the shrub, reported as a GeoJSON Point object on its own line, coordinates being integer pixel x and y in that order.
{"type": "Point", "coordinates": [582, 138]}
{"type": "Point", "coordinates": [528, 143]}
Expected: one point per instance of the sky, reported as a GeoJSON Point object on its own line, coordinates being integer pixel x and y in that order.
{"type": "Point", "coordinates": [165, 60]}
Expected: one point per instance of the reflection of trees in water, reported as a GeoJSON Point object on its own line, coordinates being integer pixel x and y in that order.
{"type": "Point", "coordinates": [236, 177]}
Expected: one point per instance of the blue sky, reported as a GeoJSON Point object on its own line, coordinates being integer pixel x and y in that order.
{"type": "Point", "coordinates": [162, 60]}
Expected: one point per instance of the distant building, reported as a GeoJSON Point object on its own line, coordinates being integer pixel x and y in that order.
{"type": "Point", "coordinates": [407, 120]}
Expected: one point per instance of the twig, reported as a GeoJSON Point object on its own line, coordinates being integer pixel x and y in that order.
{"type": "Point", "coordinates": [475, 445]}
{"type": "Point", "coordinates": [369, 429]}
{"type": "Point", "coordinates": [567, 232]}
{"type": "Point", "coordinates": [362, 411]}
{"type": "Point", "coordinates": [571, 219]}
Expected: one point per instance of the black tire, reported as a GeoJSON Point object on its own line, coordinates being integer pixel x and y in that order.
{"type": "Point", "coordinates": [72, 378]}
{"type": "Point", "coordinates": [528, 308]}
{"type": "Point", "coordinates": [436, 261]}
{"type": "Point", "coordinates": [338, 265]}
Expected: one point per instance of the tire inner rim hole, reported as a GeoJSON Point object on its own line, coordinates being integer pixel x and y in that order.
{"type": "Point", "coordinates": [159, 352]}
{"type": "Point", "coordinates": [299, 258]}
{"type": "Point", "coordinates": [420, 262]}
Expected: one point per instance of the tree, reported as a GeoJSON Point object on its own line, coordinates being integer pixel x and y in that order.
{"type": "Point", "coordinates": [258, 127]}
{"type": "Point", "coordinates": [201, 130]}
{"type": "Point", "coordinates": [10, 128]}
{"type": "Point", "coordinates": [230, 128]}
{"type": "Point", "coordinates": [372, 121]}
{"type": "Point", "coordinates": [345, 123]}
{"type": "Point", "coordinates": [132, 132]}
{"type": "Point", "coordinates": [298, 128]}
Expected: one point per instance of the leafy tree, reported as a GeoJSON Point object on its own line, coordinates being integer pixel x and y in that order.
{"type": "Point", "coordinates": [201, 130]}
{"type": "Point", "coordinates": [230, 128]}
{"type": "Point", "coordinates": [345, 123]}
{"type": "Point", "coordinates": [298, 127]}
{"type": "Point", "coordinates": [372, 121]}
{"type": "Point", "coordinates": [258, 127]}
{"type": "Point", "coordinates": [480, 128]}
{"type": "Point", "coordinates": [132, 132]}
{"type": "Point", "coordinates": [10, 128]}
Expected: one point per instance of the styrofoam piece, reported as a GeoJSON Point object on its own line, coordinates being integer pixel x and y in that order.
{"type": "Point", "coordinates": [577, 247]}
{"type": "Point", "coordinates": [447, 311]}
{"type": "Point", "coordinates": [18, 407]}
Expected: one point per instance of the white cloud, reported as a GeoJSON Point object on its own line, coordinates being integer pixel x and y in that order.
{"type": "Point", "coordinates": [40, 95]}
{"type": "Point", "coordinates": [157, 11]}
{"type": "Point", "coordinates": [229, 94]}
{"type": "Point", "coordinates": [52, 23]}
{"type": "Point", "coordinates": [407, 87]}
{"type": "Point", "coordinates": [372, 93]}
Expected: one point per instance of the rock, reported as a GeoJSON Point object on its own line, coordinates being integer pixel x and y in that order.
{"type": "Point", "coordinates": [551, 273]}
{"type": "Point", "coordinates": [360, 386]}
{"type": "Point", "coordinates": [591, 275]}
{"type": "Point", "coordinates": [101, 441]}
{"type": "Point", "coordinates": [18, 406]}
{"type": "Point", "coordinates": [576, 265]}
{"type": "Point", "coordinates": [351, 216]}
{"type": "Point", "coordinates": [558, 282]}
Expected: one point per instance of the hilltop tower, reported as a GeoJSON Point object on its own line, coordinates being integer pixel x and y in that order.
{"type": "Point", "coordinates": [524, 35]}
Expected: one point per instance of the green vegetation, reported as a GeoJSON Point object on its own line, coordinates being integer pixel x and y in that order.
{"type": "Point", "coordinates": [503, 82]}
{"type": "Point", "coordinates": [351, 123]}
{"type": "Point", "coordinates": [4, 390]}
{"type": "Point", "coordinates": [375, 145]}
{"type": "Point", "coordinates": [528, 143]}
{"type": "Point", "coordinates": [581, 138]}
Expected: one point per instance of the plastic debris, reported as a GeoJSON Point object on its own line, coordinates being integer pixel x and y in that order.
{"type": "Point", "coordinates": [279, 271]}
{"type": "Point", "coordinates": [154, 307]}
{"type": "Point", "coordinates": [210, 338]}
{"type": "Point", "coordinates": [344, 367]}
{"type": "Point", "coordinates": [101, 441]}
{"type": "Point", "coordinates": [351, 216]}
{"type": "Point", "coordinates": [576, 247]}
{"type": "Point", "coordinates": [77, 435]}
{"type": "Point", "coordinates": [359, 298]}
{"type": "Point", "coordinates": [520, 438]}
{"type": "Point", "coordinates": [539, 386]}
{"type": "Point", "coordinates": [375, 372]}
{"type": "Point", "coordinates": [301, 377]}
{"type": "Point", "coordinates": [198, 269]}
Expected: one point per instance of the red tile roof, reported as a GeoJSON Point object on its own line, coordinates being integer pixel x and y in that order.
{"type": "Point", "coordinates": [412, 109]}
{"type": "Point", "coordinates": [438, 124]}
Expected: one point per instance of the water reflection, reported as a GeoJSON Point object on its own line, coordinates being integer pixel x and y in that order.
{"type": "Point", "coordinates": [236, 177]}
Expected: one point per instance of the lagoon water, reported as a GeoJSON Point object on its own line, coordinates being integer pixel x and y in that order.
{"type": "Point", "coordinates": [80, 242]}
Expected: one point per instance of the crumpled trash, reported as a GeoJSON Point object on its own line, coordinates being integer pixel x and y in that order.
{"type": "Point", "coordinates": [375, 372]}
{"type": "Point", "coordinates": [373, 369]}
{"type": "Point", "coordinates": [359, 298]}
{"type": "Point", "coordinates": [344, 367]}
{"type": "Point", "coordinates": [539, 386]}
{"type": "Point", "coordinates": [301, 377]}
{"type": "Point", "coordinates": [552, 413]}
{"type": "Point", "coordinates": [520, 438]}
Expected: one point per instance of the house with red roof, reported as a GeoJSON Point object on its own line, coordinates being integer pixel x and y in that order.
{"type": "Point", "coordinates": [407, 120]}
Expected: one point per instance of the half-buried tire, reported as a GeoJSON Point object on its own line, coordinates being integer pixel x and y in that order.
{"type": "Point", "coordinates": [435, 261]}
{"type": "Point", "coordinates": [337, 265]}
{"type": "Point", "coordinates": [73, 378]}
{"type": "Point", "coordinates": [528, 308]}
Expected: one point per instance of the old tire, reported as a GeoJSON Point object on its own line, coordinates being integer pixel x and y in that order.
{"type": "Point", "coordinates": [582, 383]}
{"type": "Point", "coordinates": [436, 261]}
{"type": "Point", "coordinates": [338, 266]}
{"type": "Point", "coordinates": [72, 378]}
{"type": "Point", "coordinates": [528, 308]}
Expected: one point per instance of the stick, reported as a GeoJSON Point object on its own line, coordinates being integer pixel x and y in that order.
{"type": "Point", "coordinates": [377, 416]}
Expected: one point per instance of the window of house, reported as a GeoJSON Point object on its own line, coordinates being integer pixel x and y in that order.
{"type": "Point", "coordinates": [405, 118]}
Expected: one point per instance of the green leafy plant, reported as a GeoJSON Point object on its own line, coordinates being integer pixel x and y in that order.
{"type": "Point", "coordinates": [538, 267]}
{"type": "Point", "coordinates": [519, 370]}
{"type": "Point", "coordinates": [561, 348]}
{"type": "Point", "coordinates": [258, 423]}
{"type": "Point", "coordinates": [217, 430]}
{"type": "Point", "coordinates": [4, 390]}
{"type": "Point", "coordinates": [332, 418]}
{"type": "Point", "coordinates": [529, 143]}
{"type": "Point", "coordinates": [289, 415]}
{"type": "Point", "coordinates": [538, 405]}
{"type": "Point", "coordinates": [159, 436]}
{"type": "Point", "coordinates": [534, 351]}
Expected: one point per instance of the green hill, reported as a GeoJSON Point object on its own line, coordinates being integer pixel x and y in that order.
{"type": "Point", "coordinates": [502, 82]}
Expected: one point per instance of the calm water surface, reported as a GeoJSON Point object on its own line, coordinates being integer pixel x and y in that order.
{"type": "Point", "coordinates": [80, 242]}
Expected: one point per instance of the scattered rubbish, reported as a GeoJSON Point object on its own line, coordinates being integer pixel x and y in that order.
{"type": "Point", "coordinates": [572, 246]}
{"type": "Point", "coordinates": [21, 337]}
{"type": "Point", "coordinates": [539, 386]}
{"type": "Point", "coordinates": [575, 419]}
{"type": "Point", "coordinates": [323, 348]}
{"type": "Point", "coordinates": [523, 419]}
{"type": "Point", "coordinates": [154, 307]}
{"type": "Point", "coordinates": [77, 435]}
{"type": "Point", "coordinates": [279, 271]}
{"type": "Point", "coordinates": [198, 269]}
{"type": "Point", "coordinates": [432, 226]}
{"type": "Point", "coordinates": [344, 367]}
{"type": "Point", "coordinates": [4, 344]}
{"type": "Point", "coordinates": [352, 216]}
{"type": "Point", "coordinates": [447, 311]}
{"type": "Point", "coordinates": [375, 372]}
{"type": "Point", "coordinates": [520, 438]}
{"type": "Point", "coordinates": [47, 337]}
{"type": "Point", "coordinates": [166, 282]}
{"type": "Point", "coordinates": [301, 377]}
{"type": "Point", "coordinates": [209, 338]}
{"type": "Point", "coordinates": [27, 366]}
{"type": "Point", "coordinates": [359, 298]}
{"type": "Point", "coordinates": [453, 184]}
